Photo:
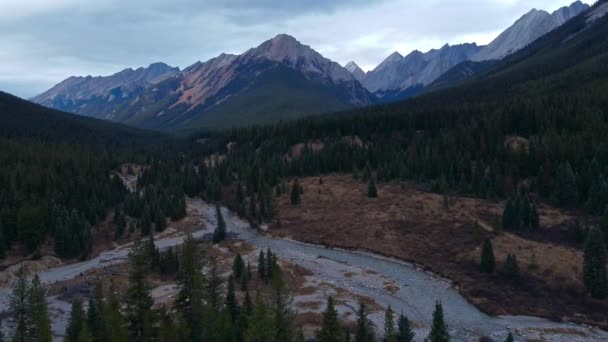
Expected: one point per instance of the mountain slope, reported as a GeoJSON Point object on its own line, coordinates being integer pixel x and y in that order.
{"type": "Point", "coordinates": [20, 118]}
{"type": "Point", "coordinates": [399, 77]}
{"type": "Point", "coordinates": [527, 29]}
{"type": "Point", "coordinates": [354, 69]}
{"type": "Point", "coordinates": [91, 96]}
{"type": "Point", "coordinates": [183, 98]}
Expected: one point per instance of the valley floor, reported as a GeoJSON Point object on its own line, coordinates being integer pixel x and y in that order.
{"type": "Point", "coordinates": [415, 226]}
{"type": "Point", "coordinates": [315, 272]}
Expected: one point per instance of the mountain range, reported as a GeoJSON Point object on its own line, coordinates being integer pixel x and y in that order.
{"type": "Point", "coordinates": [281, 79]}
{"type": "Point", "coordinates": [399, 77]}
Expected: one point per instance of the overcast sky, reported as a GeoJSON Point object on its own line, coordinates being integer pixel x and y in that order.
{"type": "Point", "coordinates": [44, 41]}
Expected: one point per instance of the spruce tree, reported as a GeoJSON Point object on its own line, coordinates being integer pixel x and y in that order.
{"type": "Point", "coordinates": [365, 331]}
{"type": "Point", "coordinates": [594, 265]}
{"type": "Point", "coordinates": [189, 302]}
{"type": "Point", "coordinates": [260, 325]}
{"type": "Point", "coordinates": [75, 322]}
{"type": "Point", "coordinates": [330, 325]}
{"type": "Point", "coordinates": [295, 193]}
{"type": "Point", "coordinates": [509, 337]}
{"type": "Point", "coordinates": [139, 313]}
{"type": "Point", "coordinates": [372, 192]}
{"type": "Point", "coordinates": [95, 320]}
{"type": "Point", "coordinates": [219, 234]}
{"type": "Point", "coordinates": [487, 257]}
{"type": "Point", "coordinates": [262, 265]}
{"type": "Point", "coordinates": [231, 303]}
{"type": "Point", "coordinates": [18, 306]}
{"type": "Point", "coordinates": [114, 320]}
{"type": "Point", "coordinates": [238, 266]}
{"type": "Point", "coordinates": [283, 316]}
{"type": "Point", "coordinates": [213, 291]}
{"type": "Point", "coordinates": [167, 330]}
{"type": "Point", "coordinates": [439, 329]}
{"type": "Point", "coordinates": [512, 267]}
{"type": "Point", "coordinates": [85, 334]}
{"type": "Point", "coordinates": [40, 324]}
{"type": "Point", "coordinates": [390, 333]}
{"type": "Point", "coordinates": [405, 332]}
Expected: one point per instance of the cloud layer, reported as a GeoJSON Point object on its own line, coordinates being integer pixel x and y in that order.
{"type": "Point", "coordinates": [44, 42]}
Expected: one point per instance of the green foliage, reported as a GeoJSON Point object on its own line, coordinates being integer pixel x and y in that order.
{"type": "Point", "coordinates": [520, 213]}
{"type": "Point", "coordinates": [138, 312]}
{"type": "Point", "coordinates": [219, 234]}
{"type": "Point", "coordinates": [29, 310]}
{"type": "Point", "coordinates": [594, 265]}
{"type": "Point", "coordinates": [295, 193]}
{"type": "Point", "coordinates": [487, 262]}
{"type": "Point", "coordinates": [405, 331]}
{"type": "Point", "coordinates": [114, 320]}
{"type": "Point", "coordinates": [512, 267]}
{"type": "Point", "coordinates": [330, 325]}
{"type": "Point", "coordinates": [365, 330]}
{"type": "Point", "coordinates": [509, 337]}
{"type": "Point", "coordinates": [390, 332]}
{"type": "Point", "coordinates": [190, 298]}
{"type": "Point", "coordinates": [238, 266]}
{"type": "Point", "coordinates": [76, 322]}
{"type": "Point", "coordinates": [439, 329]}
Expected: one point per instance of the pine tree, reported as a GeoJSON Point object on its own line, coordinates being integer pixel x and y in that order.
{"type": "Point", "coordinates": [405, 332]}
{"type": "Point", "coordinates": [231, 303]}
{"type": "Point", "coordinates": [214, 286]}
{"type": "Point", "coordinates": [295, 193]}
{"type": "Point", "coordinates": [260, 325]}
{"type": "Point", "coordinates": [115, 323]}
{"type": "Point", "coordinates": [534, 218]}
{"type": "Point", "coordinates": [372, 192]}
{"type": "Point", "coordinates": [330, 326]}
{"type": "Point", "coordinates": [487, 257]}
{"type": "Point", "coordinates": [190, 298]}
{"type": "Point", "coordinates": [167, 331]}
{"type": "Point", "coordinates": [281, 308]}
{"type": "Point", "coordinates": [95, 320]}
{"type": "Point", "coordinates": [262, 265]}
{"type": "Point", "coordinates": [439, 329]}
{"type": "Point", "coordinates": [390, 334]}
{"type": "Point", "coordinates": [18, 306]}
{"type": "Point", "coordinates": [365, 332]}
{"type": "Point", "coordinates": [509, 337]}
{"type": "Point", "coordinates": [270, 264]}
{"type": "Point", "coordinates": [85, 334]}
{"type": "Point", "coordinates": [40, 324]}
{"type": "Point", "coordinates": [139, 313]}
{"type": "Point", "coordinates": [594, 265]}
{"type": "Point", "coordinates": [75, 322]}
{"type": "Point", "coordinates": [238, 266]}
{"type": "Point", "coordinates": [511, 267]}
{"type": "Point", "coordinates": [219, 234]}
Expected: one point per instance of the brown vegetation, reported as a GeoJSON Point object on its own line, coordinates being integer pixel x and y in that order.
{"type": "Point", "coordinates": [415, 225]}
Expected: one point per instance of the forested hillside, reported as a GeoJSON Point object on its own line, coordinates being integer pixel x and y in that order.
{"type": "Point", "coordinates": [540, 117]}
{"type": "Point", "coordinates": [55, 172]}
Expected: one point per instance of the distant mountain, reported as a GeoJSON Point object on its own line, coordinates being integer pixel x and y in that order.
{"type": "Point", "coordinates": [354, 69]}
{"type": "Point", "coordinates": [399, 77]}
{"type": "Point", "coordinates": [405, 75]}
{"type": "Point", "coordinates": [90, 95]}
{"type": "Point", "coordinates": [202, 94]}
{"type": "Point", "coordinates": [527, 29]}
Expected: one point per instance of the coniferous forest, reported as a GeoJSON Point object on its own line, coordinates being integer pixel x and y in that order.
{"type": "Point", "coordinates": [530, 131]}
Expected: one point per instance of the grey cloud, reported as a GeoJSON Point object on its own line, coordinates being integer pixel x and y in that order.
{"type": "Point", "coordinates": [44, 46]}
